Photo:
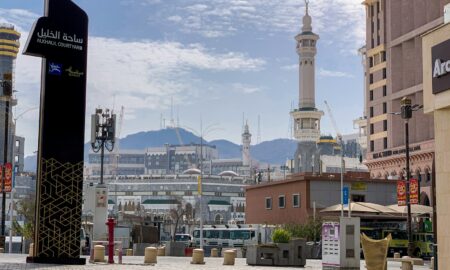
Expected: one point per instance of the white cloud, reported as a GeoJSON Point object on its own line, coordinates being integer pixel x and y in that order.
{"type": "Point", "coordinates": [344, 20]}
{"type": "Point", "coordinates": [290, 67]}
{"type": "Point", "coordinates": [140, 75]}
{"type": "Point", "coordinates": [245, 88]}
{"type": "Point", "coordinates": [175, 18]}
{"type": "Point", "coordinates": [333, 73]}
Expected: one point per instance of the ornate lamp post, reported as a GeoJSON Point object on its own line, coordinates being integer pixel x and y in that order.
{"type": "Point", "coordinates": [406, 114]}
{"type": "Point", "coordinates": [103, 127]}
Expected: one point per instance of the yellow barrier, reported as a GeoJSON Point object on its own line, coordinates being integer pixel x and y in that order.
{"type": "Point", "coordinates": [375, 252]}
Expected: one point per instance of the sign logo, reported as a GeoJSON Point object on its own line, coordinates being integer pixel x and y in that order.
{"type": "Point", "coordinates": [440, 67]}
{"type": "Point", "coordinates": [8, 177]}
{"type": "Point", "coordinates": [74, 73]}
{"type": "Point", "coordinates": [54, 69]}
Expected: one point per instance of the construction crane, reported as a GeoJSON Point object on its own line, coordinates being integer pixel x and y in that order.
{"type": "Point", "coordinates": [339, 138]}
{"type": "Point", "coordinates": [333, 122]}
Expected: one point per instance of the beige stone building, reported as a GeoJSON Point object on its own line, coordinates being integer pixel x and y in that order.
{"type": "Point", "coordinates": [394, 70]}
{"type": "Point", "coordinates": [436, 85]}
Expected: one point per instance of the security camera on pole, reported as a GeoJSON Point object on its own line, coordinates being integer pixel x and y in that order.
{"type": "Point", "coordinates": [103, 127]}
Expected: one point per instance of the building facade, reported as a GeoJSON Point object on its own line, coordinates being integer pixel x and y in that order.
{"type": "Point", "coordinates": [393, 71]}
{"type": "Point", "coordinates": [292, 201]}
{"type": "Point", "coordinates": [223, 198]}
{"type": "Point", "coordinates": [436, 56]}
{"type": "Point", "coordinates": [9, 47]}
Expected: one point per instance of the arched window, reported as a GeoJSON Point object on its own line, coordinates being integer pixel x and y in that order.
{"type": "Point", "coordinates": [218, 219]}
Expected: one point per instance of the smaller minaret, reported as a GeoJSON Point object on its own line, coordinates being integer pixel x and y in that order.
{"type": "Point", "coordinates": [246, 140]}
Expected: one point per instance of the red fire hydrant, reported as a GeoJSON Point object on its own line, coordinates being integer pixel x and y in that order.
{"type": "Point", "coordinates": [110, 223]}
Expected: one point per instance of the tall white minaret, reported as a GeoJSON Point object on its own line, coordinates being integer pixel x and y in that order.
{"type": "Point", "coordinates": [306, 117]}
{"type": "Point", "coordinates": [246, 140]}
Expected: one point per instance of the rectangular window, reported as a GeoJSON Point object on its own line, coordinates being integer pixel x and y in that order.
{"type": "Point", "coordinates": [384, 73]}
{"type": "Point", "coordinates": [296, 200]}
{"type": "Point", "coordinates": [358, 198]}
{"type": "Point", "coordinates": [372, 27]}
{"type": "Point", "coordinates": [385, 143]}
{"type": "Point", "coordinates": [372, 146]}
{"type": "Point", "coordinates": [371, 78]}
{"type": "Point", "coordinates": [383, 56]}
{"type": "Point", "coordinates": [268, 203]}
{"type": "Point", "coordinates": [384, 125]}
{"type": "Point", "coordinates": [384, 90]}
{"type": "Point", "coordinates": [281, 201]}
{"type": "Point", "coordinates": [371, 95]}
{"type": "Point", "coordinates": [384, 107]}
{"type": "Point", "coordinates": [370, 61]}
{"type": "Point", "coordinates": [371, 111]}
{"type": "Point", "coordinates": [371, 129]}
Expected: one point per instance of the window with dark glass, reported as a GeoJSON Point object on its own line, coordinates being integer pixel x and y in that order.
{"type": "Point", "coordinates": [384, 73]}
{"type": "Point", "coordinates": [281, 201]}
{"type": "Point", "coordinates": [371, 78]}
{"type": "Point", "coordinates": [371, 111]}
{"type": "Point", "coordinates": [371, 129]}
{"type": "Point", "coordinates": [385, 143]}
{"type": "Point", "coordinates": [384, 90]}
{"type": "Point", "coordinates": [384, 107]}
{"type": "Point", "coordinates": [268, 203]}
{"type": "Point", "coordinates": [372, 146]}
{"type": "Point", "coordinates": [384, 125]}
{"type": "Point", "coordinates": [371, 95]}
{"type": "Point", "coordinates": [296, 200]}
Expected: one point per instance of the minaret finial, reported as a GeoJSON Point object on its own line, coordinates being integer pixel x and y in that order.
{"type": "Point", "coordinates": [306, 4]}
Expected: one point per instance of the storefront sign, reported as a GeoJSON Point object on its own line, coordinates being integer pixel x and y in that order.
{"type": "Point", "coordinates": [8, 177]}
{"type": "Point", "coordinates": [440, 58]}
{"type": "Point", "coordinates": [395, 152]}
{"type": "Point", "coordinates": [361, 186]}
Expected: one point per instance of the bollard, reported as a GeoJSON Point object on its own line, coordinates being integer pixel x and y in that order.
{"type": "Point", "coordinates": [396, 255]}
{"type": "Point", "coordinates": [407, 265]}
{"type": "Point", "coordinates": [214, 252]}
{"type": "Point", "coordinates": [198, 256]}
{"type": "Point", "coordinates": [31, 250]}
{"type": "Point", "coordinates": [161, 251]}
{"type": "Point", "coordinates": [432, 263]}
{"type": "Point", "coordinates": [129, 252]}
{"type": "Point", "coordinates": [229, 256]}
{"type": "Point", "coordinates": [150, 255]}
{"type": "Point", "coordinates": [99, 253]}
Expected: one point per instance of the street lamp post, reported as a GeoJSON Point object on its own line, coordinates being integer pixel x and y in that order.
{"type": "Point", "coordinates": [406, 114]}
{"type": "Point", "coordinates": [5, 160]}
{"type": "Point", "coordinates": [203, 132]}
{"type": "Point", "coordinates": [102, 134]}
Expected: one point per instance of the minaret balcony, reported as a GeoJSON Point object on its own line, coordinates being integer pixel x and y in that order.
{"type": "Point", "coordinates": [306, 135]}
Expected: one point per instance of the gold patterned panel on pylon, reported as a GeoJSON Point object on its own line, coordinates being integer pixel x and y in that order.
{"type": "Point", "coordinates": [60, 199]}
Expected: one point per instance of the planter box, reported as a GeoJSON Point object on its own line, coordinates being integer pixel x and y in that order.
{"type": "Point", "coordinates": [281, 254]}
{"type": "Point", "coordinates": [175, 249]}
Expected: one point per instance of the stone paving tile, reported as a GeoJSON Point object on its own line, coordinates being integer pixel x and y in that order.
{"type": "Point", "coordinates": [17, 262]}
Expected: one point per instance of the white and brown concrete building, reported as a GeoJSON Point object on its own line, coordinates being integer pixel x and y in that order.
{"type": "Point", "coordinates": [394, 71]}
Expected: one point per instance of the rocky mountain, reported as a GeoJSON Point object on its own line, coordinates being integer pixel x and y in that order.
{"type": "Point", "coordinates": [273, 152]}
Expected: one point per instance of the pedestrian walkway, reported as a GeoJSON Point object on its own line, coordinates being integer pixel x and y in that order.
{"type": "Point", "coordinates": [17, 262]}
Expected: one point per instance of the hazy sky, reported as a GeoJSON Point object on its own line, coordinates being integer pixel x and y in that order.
{"type": "Point", "coordinates": [217, 60]}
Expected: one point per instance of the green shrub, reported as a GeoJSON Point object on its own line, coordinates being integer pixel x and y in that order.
{"type": "Point", "coordinates": [281, 236]}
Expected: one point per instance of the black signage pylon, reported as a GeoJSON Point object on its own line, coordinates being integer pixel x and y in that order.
{"type": "Point", "coordinates": [60, 38]}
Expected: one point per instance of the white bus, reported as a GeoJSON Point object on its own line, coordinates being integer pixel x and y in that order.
{"type": "Point", "coordinates": [233, 235]}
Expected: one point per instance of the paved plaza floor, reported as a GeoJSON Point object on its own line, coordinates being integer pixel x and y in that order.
{"type": "Point", "coordinates": [17, 262]}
